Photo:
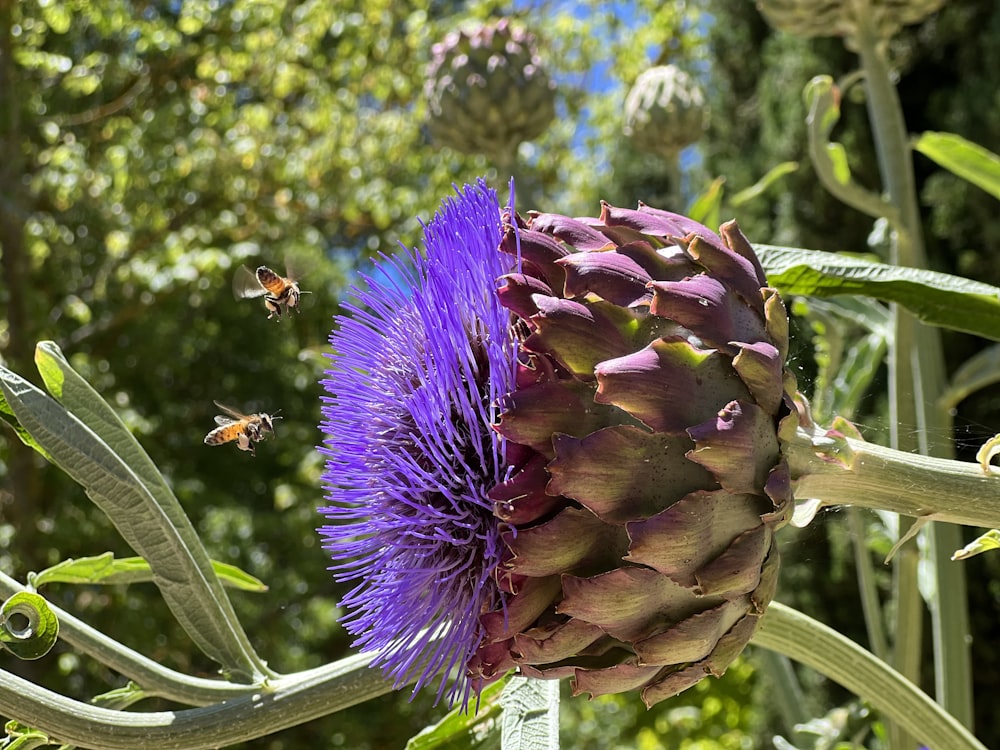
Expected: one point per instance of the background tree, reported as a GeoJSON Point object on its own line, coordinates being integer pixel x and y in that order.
{"type": "Point", "coordinates": [150, 148]}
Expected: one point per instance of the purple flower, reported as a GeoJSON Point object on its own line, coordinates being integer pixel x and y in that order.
{"type": "Point", "coordinates": [576, 473]}
{"type": "Point", "coordinates": [421, 360]}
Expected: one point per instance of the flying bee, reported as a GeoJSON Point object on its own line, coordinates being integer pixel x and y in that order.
{"type": "Point", "coordinates": [245, 429]}
{"type": "Point", "coordinates": [280, 293]}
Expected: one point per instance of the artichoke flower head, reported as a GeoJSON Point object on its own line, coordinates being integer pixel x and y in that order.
{"type": "Point", "coordinates": [621, 531]}
{"type": "Point", "coordinates": [665, 111]}
{"type": "Point", "coordinates": [487, 89]}
{"type": "Point", "coordinates": [846, 18]}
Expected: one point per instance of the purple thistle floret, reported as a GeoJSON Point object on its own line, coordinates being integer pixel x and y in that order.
{"type": "Point", "coordinates": [420, 361]}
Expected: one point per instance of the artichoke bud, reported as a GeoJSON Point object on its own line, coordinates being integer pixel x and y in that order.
{"type": "Point", "coordinates": [665, 111]}
{"type": "Point", "coordinates": [809, 18]}
{"type": "Point", "coordinates": [488, 90]}
{"type": "Point", "coordinates": [646, 477]}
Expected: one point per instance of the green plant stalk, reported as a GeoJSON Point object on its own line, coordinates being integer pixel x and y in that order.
{"type": "Point", "coordinates": [950, 626]}
{"type": "Point", "coordinates": [905, 408]}
{"type": "Point", "coordinates": [813, 644]}
{"type": "Point", "coordinates": [866, 583]}
{"type": "Point", "coordinates": [839, 470]}
{"type": "Point", "coordinates": [154, 678]}
{"type": "Point", "coordinates": [285, 702]}
{"type": "Point", "coordinates": [824, 465]}
{"type": "Point", "coordinates": [784, 687]}
{"type": "Point", "coordinates": [918, 376]}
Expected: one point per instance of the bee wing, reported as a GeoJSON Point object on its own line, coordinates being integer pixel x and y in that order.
{"type": "Point", "coordinates": [295, 267]}
{"type": "Point", "coordinates": [215, 436]}
{"type": "Point", "coordinates": [237, 415]}
{"type": "Point", "coordinates": [223, 421]}
{"type": "Point", "coordinates": [245, 284]}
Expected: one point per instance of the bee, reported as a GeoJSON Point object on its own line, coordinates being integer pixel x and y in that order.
{"type": "Point", "coordinates": [280, 293]}
{"type": "Point", "coordinates": [245, 429]}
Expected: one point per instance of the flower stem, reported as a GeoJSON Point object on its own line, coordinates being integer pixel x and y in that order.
{"type": "Point", "coordinates": [284, 702]}
{"type": "Point", "coordinates": [839, 470]}
{"type": "Point", "coordinates": [155, 678]}
{"type": "Point", "coordinates": [813, 644]}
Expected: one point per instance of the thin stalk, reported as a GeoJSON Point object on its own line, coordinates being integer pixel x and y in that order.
{"type": "Point", "coordinates": [917, 375]}
{"type": "Point", "coordinates": [950, 626]}
{"type": "Point", "coordinates": [870, 605]}
{"type": "Point", "coordinates": [784, 688]}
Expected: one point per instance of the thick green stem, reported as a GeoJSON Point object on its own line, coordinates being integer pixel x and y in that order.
{"type": "Point", "coordinates": [813, 644]}
{"type": "Point", "coordinates": [838, 470]}
{"type": "Point", "coordinates": [282, 703]}
{"type": "Point", "coordinates": [154, 678]}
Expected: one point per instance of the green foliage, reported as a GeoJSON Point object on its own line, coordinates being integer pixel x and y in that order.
{"type": "Point", "coordinates": [149, 151]}
{"type": "Point", "coordinates": [967, 160]}
{"type": "Point", "coordinates": [988, 541]}
{"type": "Point", "coordinates": [716, 714]}
{"type": "Point", "coordinates": [94, 447]}
{"type": "Point", "coordinates": [935, 298]}
{"type": "Point", "coordinates": [475, 729]}
{"type": "Point", "coordinates": [105, 569]}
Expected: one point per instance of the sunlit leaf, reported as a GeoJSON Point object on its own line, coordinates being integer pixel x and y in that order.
{"type": "Point", "coordinates": [136, 498]}
{"type": "Point", "coordinates": [105, 569]}
{"type": "Point", "coordinates": [964, 158]}
{"type": "Point", "coordinates": [477, 729]}
{"type": "Point", "coordinates": [773, 175]}
{"type": "Point", "coordinates": [706, 208]}
{"type": "Point", "coordinates": [988, 541]}
{"type": "Point", "coordinates": [7, 414]}
{"type": "Point", "coordinates": [936, 298]}
{"type": "Point", "coordinates": [838, 158]}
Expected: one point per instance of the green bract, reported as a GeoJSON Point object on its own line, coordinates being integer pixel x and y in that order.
{"type": "Point", "coordinates": [810, 18]}
{"type": "Point", "coordinates": [665, 111]}
{"type": "Point", "coordinates": [488, 90]}
{"type": "Point", "coordinates": [647, 479]}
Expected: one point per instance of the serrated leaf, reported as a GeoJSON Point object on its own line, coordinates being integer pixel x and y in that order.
{"type": "Point", "coordinates": [935, 298]}
{"type": "Point", "coordinates": [963, 158]}
{"type": "Point", "coordinates": [105, 569]}
{"type": "Point", "coordinates": [988, 541]}
{"type": "Point", "coordinates": [28, 627]}
{"type": "Point", "coordinates": [465, 730]}
{"type": "Point", "coordinates": [530, 719]}
{"type": "Point", "coordinates": [760, 187]}
{"type": "Point", "coordinates": [136, 499]}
